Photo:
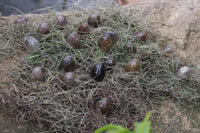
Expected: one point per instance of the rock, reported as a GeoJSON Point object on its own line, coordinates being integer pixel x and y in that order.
{"type": "Point", "coordinates": [43, 28]}
{"type": "Point", "coordinates": [104, 105]}
{"type": "Point", "coordinates": [67, 64]}
{"type": "Point", "coordinates": [98, 72]}
{"type": "Point", "coordinates": [74, 40]}
{"type": "Point", "coordinates": [105, 42]}
{"type": "Point", "coordinates": [31, 44]}
{"type": "Point", "coordinates": [69, 79]}
{"type": "Point", "coordinates": [37, 74]}
{"type": "Point", "coordinates": [61, 20]}
{"type": "Point", "coordinates": [133, 66]}
{"type": "Point", "coordinates": [83, 29]}
{"type": "Point", "coordinates": [183, 72]}
{"type": "Point", "coordinates": [94, 20]}
{"type": "Point", "coordinates": [21, 20]}
{"type": "Point", "coordinates": [112, 34]}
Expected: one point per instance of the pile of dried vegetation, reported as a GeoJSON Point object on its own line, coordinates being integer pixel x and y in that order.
{"type": "Point", "coordinates": [74, 108]}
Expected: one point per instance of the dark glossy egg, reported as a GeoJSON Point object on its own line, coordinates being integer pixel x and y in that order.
{"type": "Point", "coordinates": [74, 40]}
{"type": "Point", "coordinates": [83, 29]}
{"type": "Point", "coordinates": [62, 20]}
{"type": "Point", "coordinates": [133, 66]}
{"type": "Point", "coordinates": [21, 20]}
{"type": "Point", "coordinates": [105, 42]}
{"type": "Point", "coordinates": [112, 34]}
{"type": "Point", "coordinates": [31, 44]}
{"type": "Point", "coordinates": [98, 72]}
{"type": "Point", "coordinates": [140, 36]}
{"type": "Point", "coordinates": [43, 28]}
{"type": "Point", "coordinates": [183, 72]}
{"type": "Point", "coordinates": [104, 105]}
{"type": "Point", "coordinates": [37, 74]}
{"type": "Point", "coordinates": [67, 64]}
{"type": "Point", "coordinates": [130, 47]}
{"type": "Point", "coordinates": [69, 79]}
{"type": "Point", "coordinates": [94, 20]}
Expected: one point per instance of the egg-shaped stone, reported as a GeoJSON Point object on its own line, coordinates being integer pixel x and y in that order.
{"type": "Point", "coordinates": [43, 28]}
{"type": "Point", "coordinates": [168, 50]}
{"type": "Point", "coordinates": [31, 44]}
{"type": "Point", "coordinates": [130, 47]}
{"type": "Point", "coordinates": [37, 74]}
{"type": "Point", "coordinates": [69, 79]}
{"type": "Point", "coordinates": [83, 29]}
{"type": "Point", "coordinates": [133, 66]}
{"type": "Point", "coordinates": [183, 72]}
{"type": "Point", "coordinates": [140, 36]}
{"type": "Point", "coordinates": [104, 105]}
{"type": "Point", "coordinates": [74, 40]}
{"type": "Point", "coordinates": [94, 20]}
{"type": "Point", "coordinates": [67, 64]}
{"type": "Point", "coordinates": [105, 42]}
{"type": "Point", "coordinates": [112, 34]}
{"type": "Point", "coordinates": [21, 20]}
{"type": "Point", "coordinates": [61, 20]}
{"type": "Point", "coordinates": [98, 72]}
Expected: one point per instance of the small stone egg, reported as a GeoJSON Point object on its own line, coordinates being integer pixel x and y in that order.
{"type": "Point", "coordinates": [62, 20]}
{"type": "Point", "coordinates": [31, 44]}
{"type": "Point", "coordinates": [21, 20]}
{"type": "Point", "coordinates": [113, 35]}
{"type": "Point", "coordinates": [69, 79]}
{"type": "Point", "coordinates": [94, 20]}
{"type": "Point", "coordinates": [104, 105]}
{"type": "Point", "coordinates": [98, 72]}
{"type": "Point", "coordinates": [83, 29]}
{"type": "Point", "coordinates": [130, 47]}
{"type": "Point", "coordinates": [133, 66]}
{"type": "Point", "coordinates": [141, 36]}
{"type": "Point", "coordinates": [74, 40]}
{"type": "Point", "coordinates": [183, 72]}
{"type": "Point", "coordinates": [168, 49]}
{"type": "Point", "coordinates": [67, 64]}
{"type": "Point", "coordinates": [43, 28]}
{"type": "Point", "coordinates": [37, 74]}
{"type": "Point", "coordinates": [105, 42]}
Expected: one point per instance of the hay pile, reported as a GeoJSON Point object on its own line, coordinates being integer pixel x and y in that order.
{"type": "Point", "coordinates": [73, 109]}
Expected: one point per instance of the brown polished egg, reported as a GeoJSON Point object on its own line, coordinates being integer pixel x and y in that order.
{"type": "Point", "coordinates": [112, 34]}
{"type": "Point", "coordinates": [61, 20]}
{"type": "Point", "coordinates": [133, 66]}
{"type": "Point", "coordinates": [74, 40]}
{"type": "Point", "coordinates": [104, 105]}
{"type": "Point", "coordinates": [94, 20]}
{"type": "Point", "coordinates": [83, 29]}
{"type": "Point", "coordinates": [105, 42]}
{"type": "Point", "coordinates": [140, 36]}
{"type": "Point", "coordinates": [67, 64]}
{"type": "Point", "coordinates": [37, 74]}
{"type": "Point", "coordinates": [69, 79]}
{"type": "Point", "coordinates": [43, 28]}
